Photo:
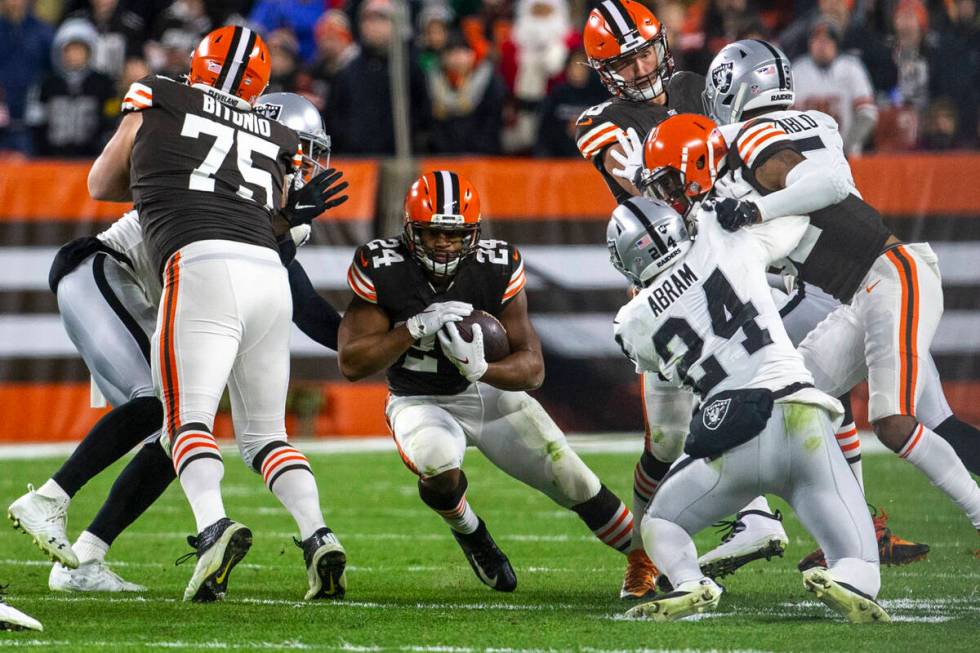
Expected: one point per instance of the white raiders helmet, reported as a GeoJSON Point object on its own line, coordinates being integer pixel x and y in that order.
{"type": "Point", "coordinates": [299, 114]}
{"type": "Point", "coordinates": [645, 237]}
{"type": "Point", "coordinates": [747, 75]}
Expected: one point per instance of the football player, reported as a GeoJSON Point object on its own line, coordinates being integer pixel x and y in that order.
{"type": "Point", "coordinates": [705, 318]}
{"type": "Point", "coordinates": [444, 395]}
{"type": "Point", "coordinates": [108, 293]}
{"type": "Point", "coordinates": [207, 174]}
{"type": "Point", "coordinates": [628, 47]}
{"type": "Point", "coordinates": [784, 162]}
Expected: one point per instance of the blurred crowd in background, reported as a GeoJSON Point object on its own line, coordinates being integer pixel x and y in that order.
{"type": "Point", "coordinates": [486, 77]}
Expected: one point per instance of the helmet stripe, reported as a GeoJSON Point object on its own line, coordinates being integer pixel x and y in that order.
{"type": "Point", "coordinates": [645, 221]}
{"type": "Point", "coordinates": [618, 20]}
{"type": "Point", "coordinates": [243, 65]}
{"type": "Point", "coordinates": [779, 64]}
{"type": "Point", "coordinates": [455, 193]}
{"type": "Point", "coordinates": [236, 36]}
{"type": "Point", "coordinates": [440, 203]}
{"type": "Point", "coordinates": [444, 191]}
{"type": "Point", "coordinates": [234, 69]}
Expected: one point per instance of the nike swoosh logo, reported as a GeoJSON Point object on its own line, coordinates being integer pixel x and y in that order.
{"type": "Point", "coordinates": [585, 123]}
{"type": "Point", "coordinates": [492, 582]}
{"type": "Point", "coordinates": [463, 361]}
{"type": "Point", "coordinates": [872, 286]}
{"type": "Point", "coordinates": [305, 206]}
{"type": "Point", "coordinates": [364, 261]}
{"type": "Point", "coordinates": [220, 578]}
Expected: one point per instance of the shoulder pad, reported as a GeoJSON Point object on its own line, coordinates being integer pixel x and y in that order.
{"type": "Point", "coordinates": [139, 97]}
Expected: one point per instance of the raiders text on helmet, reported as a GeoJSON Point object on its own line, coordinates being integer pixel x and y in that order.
{"type": "Point", "coordinates": [616, 33]}
{"type": "Point", "coordinates": [645, 237]}
{"type": "Point", "coordinates": [443, 201]}
{"type": "Point", "coordinates": [747, 75]}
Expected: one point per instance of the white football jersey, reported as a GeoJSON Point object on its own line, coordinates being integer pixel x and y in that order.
{"type": "Point", "coordinates": [710, 323]}
{"type": "Point", "coordinates": [126, 237]}
{"type": "Point", "coordinates": [841, 90]}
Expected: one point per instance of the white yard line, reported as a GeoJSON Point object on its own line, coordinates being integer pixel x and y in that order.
{"type": "Point", "coordinates": [587, 443]}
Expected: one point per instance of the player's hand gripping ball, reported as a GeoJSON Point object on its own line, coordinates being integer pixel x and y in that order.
{"type": "Point", "coordinates": [495, 343]}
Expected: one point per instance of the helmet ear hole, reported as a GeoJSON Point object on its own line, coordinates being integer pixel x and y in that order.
{"type": "Point", "coordinates": [699, 164]}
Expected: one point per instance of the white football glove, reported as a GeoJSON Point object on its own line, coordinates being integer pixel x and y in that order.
{"type": "Point", "coordinates": [631, 158]}
{"type": "Point", "coordinates": [435, 316]}
{"type": "Point", "coordinates": [468, 357]}
{"type": "Point", "coordinates": [300, 234]}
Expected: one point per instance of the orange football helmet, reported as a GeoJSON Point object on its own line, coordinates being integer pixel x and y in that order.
{"type": "Point", "coordinates": [442, 201]}
{"type": "Point", "coordinates": [233, 59]}
{"type": "Point", "coordinates": [681, 159]}
{"type": "Point", "coordinates": [616, 34]}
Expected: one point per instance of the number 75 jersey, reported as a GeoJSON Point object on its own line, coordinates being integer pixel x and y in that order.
{"type": "Point", "coordinates": [709, 322]}
{"type": "Point", "coordinates": [205, 166]}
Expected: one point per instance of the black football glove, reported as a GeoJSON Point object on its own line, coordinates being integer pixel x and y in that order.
{"type": "Point", "coordinates": [734, 214]}
{"type": "Point", "coordinates": [306, 204]}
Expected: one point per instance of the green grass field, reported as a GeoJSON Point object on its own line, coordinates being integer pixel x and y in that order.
{"type": "Point", "coordinates": [409, 588]}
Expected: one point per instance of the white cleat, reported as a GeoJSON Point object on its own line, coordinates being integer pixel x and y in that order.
{"type": "Point", "coordinates": [692, 597]}
{"type": "Point", "coordinates": [854, 605]}
{"type": "Point", "coordinates": [13, 619]}
{"type": "Point", "coordinates": [754, 534]}
{"type": "Point", "coordinates": [91, 576]}
{"type": "Point", "coordinates": [46, 521]}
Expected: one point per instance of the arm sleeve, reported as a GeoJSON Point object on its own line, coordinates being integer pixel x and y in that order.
{"type": "Point", "coordinates": [312, 313]}
{"type": "Point", "coordinates": [810, 186]}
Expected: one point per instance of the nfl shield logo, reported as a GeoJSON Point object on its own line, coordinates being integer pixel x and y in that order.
{"type": "Point", "coordinates": [714, 413]}
{"type": "Point", "coordinates": [721, 76]}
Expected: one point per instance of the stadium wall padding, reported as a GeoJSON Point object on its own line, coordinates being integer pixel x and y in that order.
{"type": "Point", "coordinates": [554, 210]}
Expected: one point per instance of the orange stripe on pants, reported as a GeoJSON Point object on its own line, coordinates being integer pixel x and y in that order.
{"type": "Point", "coordinates": [168, 358]}
{"type": "Point", "coordinates": [908, 327]}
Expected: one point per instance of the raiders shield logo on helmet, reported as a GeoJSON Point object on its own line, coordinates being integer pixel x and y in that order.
{"type": "Point", "coordinates": [270, 111]}
{"type": "Point", "coordinates": [721, 76]}
{"type": "Point", "coordinates": [714, 414]}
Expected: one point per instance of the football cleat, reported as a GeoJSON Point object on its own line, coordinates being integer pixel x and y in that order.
{"type": "Point", "coordinates": [489, 563]}
{"type": "Point", "coordinates": [218, 548]}
{"type": "Point", "coordinates": [851, 603]}
{"type": "Point", "coordinates": [892, 550]}
{"type": "Point", "coordinates": [640, 581]}
{"type": "Point", "coordinates": [13, 619]}
{"type": "Point", "coordinates": [326, 561]}
{"type": "Point", "coordinates": [46, 521]}
{"type": "Point", "coordinates": [90, 576]}
{"type": "Point", "coordinates": [752, 535]}
{"type": "Point", "coordinates": [692, 597]}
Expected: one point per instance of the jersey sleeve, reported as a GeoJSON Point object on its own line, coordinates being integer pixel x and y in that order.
{"type": "Point", "coordinates": [359, 276]}
{"type": "Point", "coordinates": [594, 132]}
{"type": "Point", "coordinates": [139, 97]}
{"type": "Point", "coordinates": [757, 142]}
{"type": "Point", "coordinates": [517, 280]}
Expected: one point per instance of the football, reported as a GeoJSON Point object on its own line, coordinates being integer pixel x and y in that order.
{"type": "Point", "coordinates": [495, 343]}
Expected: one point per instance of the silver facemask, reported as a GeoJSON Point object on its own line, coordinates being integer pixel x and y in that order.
{"type": "Point", "coordinates": [299, 114]}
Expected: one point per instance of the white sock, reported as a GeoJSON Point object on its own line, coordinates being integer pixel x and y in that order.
{"type": "Point", "coordinates": [850, 445]}
{"type": "Point", "coordinates": [859, 574]}
{"type": "Point", "coordinates": [90, 547]}
{"type": "Point", "coordinates": [462, 518]}
{"type": "Point", "coordinates": [672, 550]}
{"type": "Point", "coordinates": [197, 461]}
{"type": "Point", "coordinates": [52, 490]}
{"type": "Point", "coordinates": [759, 503]}
{"type": "Point", "coordinates": [287, 474]}
{"type": "Point", "coordinates": [935, 458]}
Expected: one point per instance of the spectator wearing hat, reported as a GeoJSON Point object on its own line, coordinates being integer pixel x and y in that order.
{"type": "Point", "coordinates": [25, 51]}
{"type": "Point", "coordinates": [467, 101]}
{"type": "Point", "coordinates": [121, 34]}
{"type": "Point", "coordinates": [580, 90]}
{"type": "Point", "coordinates": [434, 24]}
{"type": "Point", "coordinates": [836, 84]}
{"type": "Point", "coordinates": [909, 53]}
{"type": "Point", "coordinates": [955, 70]}
{"type": "Point", "coordinates": [298, 16]}
{"type": "Point", "coordinates": [70, 113]}
{"type": "Point", "coordinates": [359, 113]}
{"type": "Point", "coordinates": [335, 48]}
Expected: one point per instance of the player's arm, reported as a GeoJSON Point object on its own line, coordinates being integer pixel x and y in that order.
{"type": "Point", "coordinates": [612, 167]}
{"type": "Point", "coordinates": [366, 342]}
{"type": "Point", "coordinates": [523, 368]}
{"type": "Point", "coordinates": [109, 177]}
{"type": "Point", "coordinates": [312, 313]}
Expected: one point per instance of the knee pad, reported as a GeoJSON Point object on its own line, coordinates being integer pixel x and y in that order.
{"type": "Point", "coordinates": [576, 483]}
{"type": "Point", "coordinates": [432, 450]}
{"type": "Point", "coordinates": [667, 412]}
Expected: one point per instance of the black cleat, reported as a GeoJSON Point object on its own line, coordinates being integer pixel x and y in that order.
{"type": "Point", "coordinates": [489, 563]}
{"type": "Point", "coordinates": [326, 561]}
{"type": "Point", "coordinates": [219, 547]}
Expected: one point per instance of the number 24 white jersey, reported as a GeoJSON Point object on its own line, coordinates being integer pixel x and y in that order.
{"type": "Point", "coordinates": [710, 323]}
